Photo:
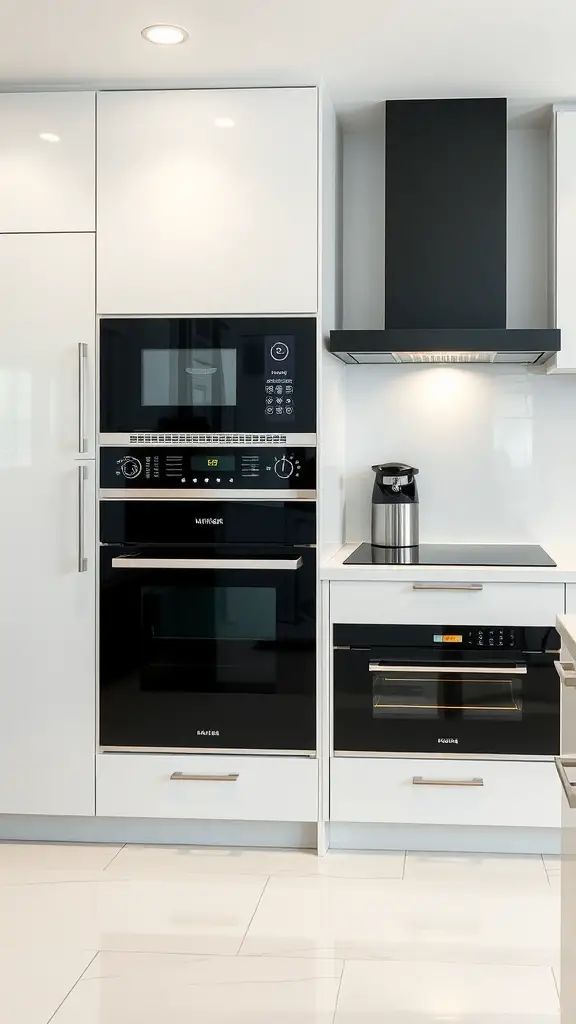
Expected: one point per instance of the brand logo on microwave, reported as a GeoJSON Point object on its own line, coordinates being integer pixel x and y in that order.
{"type": "Point", "coordinates": [447, 739]}
{"type": "Point", "coordinates": [207, 732]}
{"type": "Point", "coordinates": [209, 521]}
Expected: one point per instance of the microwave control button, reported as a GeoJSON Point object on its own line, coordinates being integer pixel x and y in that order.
{"type": "Point", "coordinates": [131, 467]}
{"type": "Point", "coordinates": [283, 468]}
{"type": "Point", "coordinates": [279, 351]}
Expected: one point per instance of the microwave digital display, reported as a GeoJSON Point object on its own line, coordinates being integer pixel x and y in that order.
{"type": "Point", "coordinates": [224, 463]}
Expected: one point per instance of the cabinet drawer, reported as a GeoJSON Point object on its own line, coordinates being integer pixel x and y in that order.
{"type": "Point", "coordinates": [512, 793]}
{"type": "Point", "coordinates": [266, 788]}
{"type": "Point", "coordinates": [506, 604]}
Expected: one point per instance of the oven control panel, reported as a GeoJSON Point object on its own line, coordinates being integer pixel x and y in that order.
{"type": "Point", "coordinates": [216, 469]}
{"type": "Point", "coordinates": [478, 637]}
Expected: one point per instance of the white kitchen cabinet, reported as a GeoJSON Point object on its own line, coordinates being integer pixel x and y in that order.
{"type": "Point", "coordinates": [207, 786]}
{"type": "Point", "coordinates": [47, 514]}
{"type": "Point", "coordinates": [207, 202]}
{"type": "Point", "coordinates": [564, 236]}
{"type": "Point", "coordinates": [432, 791]}
{"type": "Point", "coordinates": [47, 184]}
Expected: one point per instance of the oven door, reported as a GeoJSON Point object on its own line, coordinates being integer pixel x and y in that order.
{"type": "Point", "coordinates": [207, 650]}
{"type": "Point", "coordinates": [485, 705]}
{"type": "Point", "coordinates": [207, 376]}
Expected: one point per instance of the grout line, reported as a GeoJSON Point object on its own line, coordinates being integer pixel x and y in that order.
{"type": "Point", "coordinates": [253, 915]}
{"type": "Point", "coordinates": [404, 865]}
{"type": "Point", "coordinates": [555, 979]}
{"type": "Point", "coordinates": [338, 993]}
{"type": "Point", "coordinates": [124, 845]}
{"type": "Point", "coordinates": [60, 1005]}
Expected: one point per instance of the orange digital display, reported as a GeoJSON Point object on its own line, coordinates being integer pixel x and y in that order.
{"type": "Point", "coordinates": [448, 638]}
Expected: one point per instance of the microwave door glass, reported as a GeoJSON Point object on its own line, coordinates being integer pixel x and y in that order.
{"type": "Point", "coordinates": [184, 378]}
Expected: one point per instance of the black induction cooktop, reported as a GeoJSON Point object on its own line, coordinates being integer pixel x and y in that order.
{"type": "Point", "coordinates": [522, 555]}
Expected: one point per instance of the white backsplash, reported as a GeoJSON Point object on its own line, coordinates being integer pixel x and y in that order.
{"type": "Point", "coordinates": [496, 450]}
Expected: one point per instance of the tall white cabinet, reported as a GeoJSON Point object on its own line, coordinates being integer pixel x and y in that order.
{"type": "Point", "coordinates": [208, 202]}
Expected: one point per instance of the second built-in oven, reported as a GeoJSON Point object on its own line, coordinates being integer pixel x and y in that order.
{"type": "Point", "coordinates": [438, 689]}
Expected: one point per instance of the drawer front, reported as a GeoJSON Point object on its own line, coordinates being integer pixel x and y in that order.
{"type": "Point", "coordinates": [511, 793]}
{"type": "Point", "coordinates": [506, 604]}
{"type": "Point", "coordinates": [160, 786]}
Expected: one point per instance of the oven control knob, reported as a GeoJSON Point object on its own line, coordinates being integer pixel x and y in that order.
{"type": "Point", "coordinates": [283, 468]}
{"type": "Point", "coordinates": [131, 468]}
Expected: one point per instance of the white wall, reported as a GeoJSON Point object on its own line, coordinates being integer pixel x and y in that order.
{"type": "Point", "coordinates": [494, 445]}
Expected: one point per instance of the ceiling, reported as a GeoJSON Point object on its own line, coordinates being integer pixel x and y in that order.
{"type": "Point", "coordinates": [365, 50]}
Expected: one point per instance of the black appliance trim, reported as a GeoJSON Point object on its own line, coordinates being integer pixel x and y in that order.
{"type": "Point", "coordinates": [542, 343]}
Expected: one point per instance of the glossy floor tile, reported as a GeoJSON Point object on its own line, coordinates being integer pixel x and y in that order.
{"type": "Point", "coordinates": [181, 861]}
{"type": "Point", "coordinates": [414, 993]}
{"type": "Point", "coordinates": [34, 982]}
{"type": "Point", "coordinates": [129, 988]}
{"type": "Point", "coordinates": [207, 914]}
{"type": "Point", "coordinates": [474, 870]}
{"type": "Point", "coordinates": [54, 862]}
{"type": "Point", "coordinates": [357, 918]}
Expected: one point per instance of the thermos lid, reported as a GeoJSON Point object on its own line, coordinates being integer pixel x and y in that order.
{"type": "Point", "coordinates": [394, 474]}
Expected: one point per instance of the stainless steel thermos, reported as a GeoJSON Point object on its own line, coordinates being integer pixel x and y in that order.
{"type": "Point", "coordinates": [395, 506]}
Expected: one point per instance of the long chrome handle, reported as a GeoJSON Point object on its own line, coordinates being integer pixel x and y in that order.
{"type": "Point", "coordinates": [515, 670]}
{"type": "Point", "coordinates": [447, 586]}
{"type": "Point", "coordinates": [127, 562]}
{"type": "Point", "coordinates": [182, 777]}
{"type": "Point", "coordinates": [419, 780]}
{"type": "Point", "coordinates": [567, 672]}
{"type": "Point", "coordinates": [562, 763]}
{"type": "Point", "coordinates": [82, 560]}
{"type": "Point", "coordinates": [82, 363]}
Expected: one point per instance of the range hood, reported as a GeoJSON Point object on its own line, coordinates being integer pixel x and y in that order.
{"type": "Point", "coordinates": [445, 272]}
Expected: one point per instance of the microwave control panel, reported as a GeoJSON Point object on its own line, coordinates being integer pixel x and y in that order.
{"type": "Point", "coordinates": [217, 469]}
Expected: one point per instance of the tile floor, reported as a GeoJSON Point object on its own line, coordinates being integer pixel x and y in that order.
{"type": "Point", "coordinates": [136, 935]}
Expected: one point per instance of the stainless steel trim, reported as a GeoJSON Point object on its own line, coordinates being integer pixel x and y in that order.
{"type": "Point", "coordinates": [447, 586]}
{"type": "Point", "coordinates": [127, 562]}
{"type": "Point", "coordinates": [426, 755]}
{"type": "Point", "coordinates": [82, 560]}
{"type": "Point", "coordinates": [517, 670]}
{"type": "Point", "coordinates": [419, 780]}
{"type": "Point", "coordinates": [215, 493]}
{"type": "Point", "coordinates": [182, 777]}
{"type": "Point", "coordinates": [567, 672]}
{"type": "Point", "coordinates": [155, 439]}
{"type": "Point", "coordinates": [240, 751]}
{"type": "Point", "coordinates": [395, 525]}
{"type": "Point", "coordinates": [562, 763]}
{"type": "Point", "coordinates": [82, 363]}
{"type": "Point", "coordinates": [339, 647]}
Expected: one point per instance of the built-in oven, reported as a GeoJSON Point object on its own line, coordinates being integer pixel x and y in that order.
{"type": "Point", "coordinates": [207, 629]}
{"type": "Point", "coordinates": [203, 376]}
{"type": "Point", "coordinates": [488, 690]}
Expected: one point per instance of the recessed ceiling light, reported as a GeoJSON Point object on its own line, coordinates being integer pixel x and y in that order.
{"type": "Point", "coordinates": [49, 137]}
{"type": "Point", "coordinates": [165, 35]}
{"type": "Point", "coordinates": [224, 122]}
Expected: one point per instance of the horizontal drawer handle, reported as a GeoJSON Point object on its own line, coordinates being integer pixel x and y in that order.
{"type": "Point", "coordinates": [419, 780]}
{"type": "Point", "coordinates": [447, 586]}
{"type": "Point", "coordinates": [513, 670]}
{"type": "Point", "coordinates": [183, 777]}
{"type": "Point", "coordinates": [562, 763]}
{"type": "Point", "coordinates": [127, 562]}
{"type": "Point", "coordinates": [567, 672]}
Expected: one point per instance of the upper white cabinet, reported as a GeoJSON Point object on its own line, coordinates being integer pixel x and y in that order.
{"type": "Point", "coordinates": [47, 513]}
{"type": "Point", "coordinates": [564, 233]}
{"type": "Point", "coordinates": [47, 162]}
{"type": "Point", "coordinates": [207, 202]}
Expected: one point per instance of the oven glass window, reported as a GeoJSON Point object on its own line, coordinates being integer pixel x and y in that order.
{"type": "Point", "coordinates": [215, 613]}
{"type": "Point", "coordinates": [189, 377]}
{"type": "Point", "coordinates": [445, 696]}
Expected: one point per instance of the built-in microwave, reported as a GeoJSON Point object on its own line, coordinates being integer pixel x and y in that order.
{"type": "Point", "coordinates": [208, 377]}
{"type": "Point", "coordinates": [446, 690]}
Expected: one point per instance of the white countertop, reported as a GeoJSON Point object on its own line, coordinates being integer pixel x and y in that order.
{"type": "Point", "coordinates": [566, 626]}
{"type": "Point", "coordinates": [565, 572]}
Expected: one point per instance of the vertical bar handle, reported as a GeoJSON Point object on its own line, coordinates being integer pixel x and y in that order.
{"type": "Point", "coordinates": [82, 364]}
{"type": "Point", "coordinates": [82, 560]}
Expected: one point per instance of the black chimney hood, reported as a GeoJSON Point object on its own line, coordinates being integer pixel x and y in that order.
{"type": "Point", "coordinates": [445, 278]}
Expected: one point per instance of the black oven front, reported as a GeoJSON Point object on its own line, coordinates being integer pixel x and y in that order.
{"type": "Point", "coordinates": [207, 625]}
{"type": "Point", "coordinates": [487, 690]}
{"type": "Point", "coordinates": [207, 376]}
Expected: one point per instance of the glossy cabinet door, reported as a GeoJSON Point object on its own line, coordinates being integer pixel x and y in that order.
{"type": "Point", "coordinates": [207, 202]}
{"type": "Point", "coordinates": [47, 542]}
{"type": "Point", "coordinates": [47, 161]}
{"type": "Point", "coordinates": [564, 133]}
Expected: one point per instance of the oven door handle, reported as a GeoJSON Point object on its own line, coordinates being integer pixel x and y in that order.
{"type": "Point", "coordinates": [514, 670]}
{"type": "Point", "coordinates": [283, 564]}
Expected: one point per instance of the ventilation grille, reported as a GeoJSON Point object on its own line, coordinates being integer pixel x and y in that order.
{"type": "Point", "coordinates": [209, 439]}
